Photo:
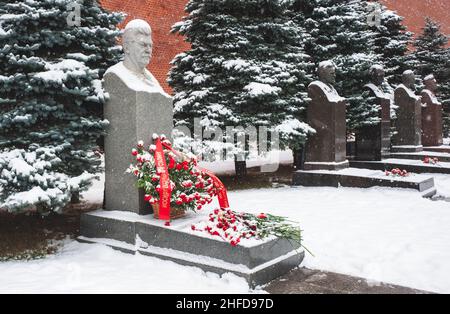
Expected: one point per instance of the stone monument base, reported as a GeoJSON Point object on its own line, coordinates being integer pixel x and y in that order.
{"type": "Point", "coordinates": [438, 149]}
{"type": "Point", "coordinates": [443, 157]}
{"type": "Point", "coordinates": [363, 178]}
{"type": "Point", "coordinates": [406, 149]}
{"type": "Point", "coordinates": [258, 262]}
{"type": "Point", "coordinates": [326, 165]}
{"type": "Point", "coordinates": [414, 166]}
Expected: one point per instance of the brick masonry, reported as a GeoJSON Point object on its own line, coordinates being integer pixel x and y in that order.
{"type": "Point", "coordinates": [162, 14]}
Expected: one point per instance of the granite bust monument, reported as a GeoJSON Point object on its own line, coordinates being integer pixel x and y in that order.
{"type": "Point", "coordinates": [137, 107]}
{"type": "Point", "coordinates": [373, 141]}
{"type": "Point", "coordinates": [431, 114]}
{"type": "Point", "coordinates": [409, 116]}
{"type": "Point", "coordinates": [326, 149]}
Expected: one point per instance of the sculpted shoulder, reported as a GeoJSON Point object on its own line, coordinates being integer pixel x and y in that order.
{"type": "Point", "coordinates": [320, 89]}
{"type": "Point", "coordinates": [139, 83]}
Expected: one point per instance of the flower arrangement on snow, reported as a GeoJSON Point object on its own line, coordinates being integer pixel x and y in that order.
{"type": "Point", "coordinates": [396, 172]}
{"type": "Point", "coordinates": [174, 183]}
{"type": "Point", "coordinates": [171, 179]}
{"type": "Point", "coordinates": [432, 161]}
{"type": "Point", "coordinates": [233, 226]}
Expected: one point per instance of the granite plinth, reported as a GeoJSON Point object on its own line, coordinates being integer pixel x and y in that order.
{"type": "Point", "coordinates": [258, 263]}
{"type": "Point", "coordinates": [414, 166]}
{"type": "Point", "coordinates": [409, 118]}
{"type": "Point", "coordinates": [406, 148]}
{"type": "Point", "coordinates": [363, 178]}
{"type": "Point", "coordinates": [373, 142]}
{"type": "Point", "coordinates": [442, 156]}
{"type": "Point", "coordinates": [432, 134]}
{"type": "Point", "coordinates": [438, 149]}
{"type": "Point", "coordinates": [133, 116]}
{"type": "Point", "coordinates": [326, 149]}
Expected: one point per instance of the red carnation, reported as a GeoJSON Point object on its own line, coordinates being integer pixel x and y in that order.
{"type": "Point", "coordinates": [134, 152]}
{"type": "Point", "coordinates": [262, 216]}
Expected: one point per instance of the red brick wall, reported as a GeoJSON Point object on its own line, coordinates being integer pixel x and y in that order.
{"type": "Point", "coordinates": [415, 11]}
{"type": "Point", "coordinates": [161, 15]}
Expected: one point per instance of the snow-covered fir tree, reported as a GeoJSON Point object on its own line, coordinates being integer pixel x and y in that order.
{"type": "Point", "coordinates": [391, 42]}
{"type": "Point", "coordinates": [432, 56]}
{"type": "Point", "coordinates": [339, 31]}
{"type": "Point", "coordinates": [246, 68]}
{"type": "Point", "coordinates": [53, 54]}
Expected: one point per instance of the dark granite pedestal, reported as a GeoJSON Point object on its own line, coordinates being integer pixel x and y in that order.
{"type": "Point", "coordinates": [438, 149]}
{"type": "Point", "coordinates": [443, 157]}
{"type": "Point", "coordinates": [414, 166]}
{"type": "Point", "coordinates": [363, 178]}
{"type": "Point", "coordinates": [257, 261]}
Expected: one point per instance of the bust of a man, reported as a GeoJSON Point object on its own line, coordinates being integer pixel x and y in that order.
{"type": "Point", "coordinates": [408, 84]}
{"type": "Point", "coordinates": [377, 74]}
{"type": "Point", "coordinates": [137, 45]}
{"type": "Point", "coordinates": [327, 78]}
{"type": "Point", "coordinates": [430, 88]}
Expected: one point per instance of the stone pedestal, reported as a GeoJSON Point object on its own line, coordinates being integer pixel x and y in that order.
{"type": "Point", "coordinates": [409, 121]}
{"type": "Point", "coordinates": [374, 142]}
{"type": "Point", "coordinates": [133, 115]}
{"type": "Point", "coordinates": [258, 263]}
{"type": "Point", "coordinates": [431, 120]}
{"type": "Point", "coordinates": [326, 114]}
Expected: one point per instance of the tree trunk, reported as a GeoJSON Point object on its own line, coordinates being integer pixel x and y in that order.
{"type": "Point", "coordinates": [241, 168]}
{"type": "Point", "coordinates": [299, 158]}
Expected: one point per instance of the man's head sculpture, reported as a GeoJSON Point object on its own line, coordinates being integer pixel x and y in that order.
{"type": "Point", "coordinates": [430, 83]}
{"type": "Point", "coordinates": [137, 45]}
{"type": "Point", "coordinates": [327, 72]}
{"type": "Point", "coordinates": [376, 74]}
{"type": "Point", "coordinates": [409, 79]}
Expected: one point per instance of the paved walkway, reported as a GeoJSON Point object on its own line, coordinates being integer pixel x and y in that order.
{"type": "Point", "coordinates": [307, 281]}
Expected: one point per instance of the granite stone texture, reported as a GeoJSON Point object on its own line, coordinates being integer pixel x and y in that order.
{"type": "Point", "coordinates": [133, 116]}
{"type": "Point", "coordinates": [431, 120]}
{"type": "Point", "coordinates": [326, 149]}
{"type": "Point", "coordinates": [373, 142]}
{"type": "Point", "coordinates": [409, 120]}
{"type": "Point", "coordinates": [387, 165]}
{"type": "Point", "coordinates": [332, 179]}
{"type": "Point", "coordinates": [264, 262]}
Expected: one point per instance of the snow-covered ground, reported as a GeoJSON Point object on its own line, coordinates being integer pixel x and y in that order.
{"type": "Point", "coordinates": [389, 235]}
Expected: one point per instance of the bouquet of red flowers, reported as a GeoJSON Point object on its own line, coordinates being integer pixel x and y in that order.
{"type": "Point", "coordinates": [233, 226]}
{"type": "Point", "coordinates": [190, 187]}
{"type": "Point", "coordinates": [430, 160]}
{"type": "Point", "coordinates": [396, 172]}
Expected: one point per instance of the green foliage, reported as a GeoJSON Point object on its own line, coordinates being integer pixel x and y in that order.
{"type": "Point", "coordinates": [51, 95]}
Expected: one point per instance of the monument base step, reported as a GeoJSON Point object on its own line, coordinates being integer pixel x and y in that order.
{"type": "Point", "coordinates": [414, 166]}
{"type": "Point", "coordinates": [258, 262]}
{"type": "Point", "coordinates": [364, 178]}
{"type": "Point", "coordinates": [406, 148]}
{"type": "Point", "coordinates": [438, 149]}
{"type": "Point", "coordinates": [443, 157]}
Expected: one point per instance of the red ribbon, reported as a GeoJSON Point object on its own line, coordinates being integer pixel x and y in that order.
{"type": "Point", "coordinates": [222, 191]}
{"type": "Point", "coordinates": [164, 182]}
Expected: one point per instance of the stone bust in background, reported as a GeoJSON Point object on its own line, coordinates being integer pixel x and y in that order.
{"type": "Point", "coordinates": [408, 82]}
{"type": "Point", "coordinates": [431, 87]}
{"type": "Point", "coordinates": [327, 78]}
{"type": "Point", "coordinates": [137, 45]}
{"type": "Point", "coordinates": [326, 149]}
{"type": "Point", "coordinates": [432, 134]}
{"type": "Point", "coordinates": [377, 75]}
